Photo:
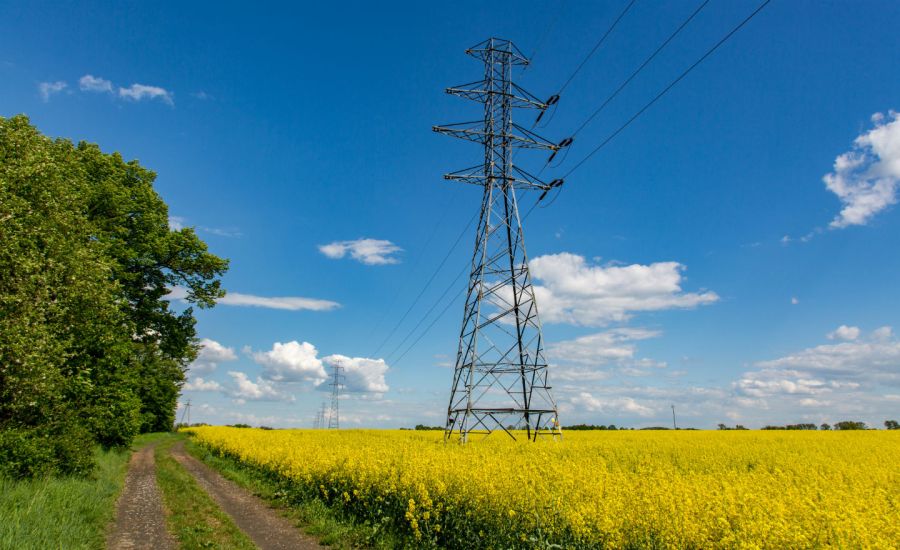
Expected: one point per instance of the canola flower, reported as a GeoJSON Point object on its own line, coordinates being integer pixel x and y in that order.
{"type": "Point", "coordinates": [594, 489]}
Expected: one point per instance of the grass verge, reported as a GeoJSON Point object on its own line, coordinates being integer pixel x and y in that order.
{"type": "Point", "coordinates": [192, 516]}
{"type": "Point", "coordinates": [331, 527]}
{"type": "Point", "coordinates": [64, 512]}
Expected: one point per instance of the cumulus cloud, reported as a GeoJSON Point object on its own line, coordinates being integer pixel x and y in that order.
{"type": "Point", "coordinates": [291, 362]}
{"type": "Point", "coordinates": [853, 372]}
{"type": "Point", "coordinates": [210, 355]}
{"type": "Point", "coordinates": [866, 359]}
{"type": "Point", "coordinates": [199, 384]}
{"type": "Point", "coordinates": [260, 390]}
{"type": "Point", "coordinates": [610, 406]}
{"type": "Point", "coordinates": [362, 374]}
{"type": "Point", "coordinates": [573, 291]}
{"type": "Point", "coordinates": [90, 83]}
{"type": "Point", "coordinates": [139, 92]}
{"type": "Point", "coordinates": [866, 178]}
{"type": "Point", "coordinates": [366, 251]}
{"type": "Point", "coordinates": [844, 332]}
{"type": "Point", "coordinates": [853, 379]}
{"type": "Point", "coordinates": [135, 92]}
{"type": "Point", "coordinates": [292, 303]}
{"type": "Point", "coordinates": [602, 347]}
{"type": "Point", "coordinates": [47, 89]}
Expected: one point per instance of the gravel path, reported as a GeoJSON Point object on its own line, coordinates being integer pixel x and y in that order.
{"type": "Point", "coordinates": [265, 527]}
{"type": "Point", "coordinates": [140, 519]}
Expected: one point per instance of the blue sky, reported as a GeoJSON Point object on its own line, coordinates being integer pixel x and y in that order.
{"type": "Point", "coordinates": [707, 257]}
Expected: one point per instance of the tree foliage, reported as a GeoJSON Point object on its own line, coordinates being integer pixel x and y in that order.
{"type": "Point", "coordinates": [90, 351]}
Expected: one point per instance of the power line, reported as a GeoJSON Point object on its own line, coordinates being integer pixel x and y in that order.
{"type": "Point", "coordinates": [554, 99]}
{"type": "Point", "coordinates": [427, 284]}
{"type": "Point", "coordinates": [427, 313]}
{"type": "Point", "coordinates": [641, 67]}
{"type": "Point", "coordinates": [428, 328]}
{"type": "Point", "coordinates": [438, 301]}
{"type": "Point", "coordinates": [669, 87]}
{"type": "Point", "coordinates": [413, 266]}
{"type": "Point", "coordinates": [596, 46]}
{"type": "Point", "coordinates": [544, 36]}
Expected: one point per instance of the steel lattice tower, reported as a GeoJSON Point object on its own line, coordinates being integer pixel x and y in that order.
{"type": "Point", "coordinates": [334, 419]}
{"type": "Point", "coordinates": [500, 378]}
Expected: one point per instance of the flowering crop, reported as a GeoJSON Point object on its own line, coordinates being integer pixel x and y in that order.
{"type": "Point", "coordinates": [595, 489]}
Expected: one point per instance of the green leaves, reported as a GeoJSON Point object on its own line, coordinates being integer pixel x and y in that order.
{"type": "Point", "coordinates": [87, 341]}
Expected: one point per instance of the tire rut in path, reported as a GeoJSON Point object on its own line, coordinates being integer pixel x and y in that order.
{"type": "Point", "coordinates": [265, 527]}
{"type": "Point", "coordinates": [140, 518]}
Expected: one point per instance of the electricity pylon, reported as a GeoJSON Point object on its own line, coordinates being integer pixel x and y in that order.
{"type": "Point", "coordinates": [500, 379]}
{"type": "Point", "coordinates": [187, 411]}
{"type": "Point", "coordinates": [334, 419]}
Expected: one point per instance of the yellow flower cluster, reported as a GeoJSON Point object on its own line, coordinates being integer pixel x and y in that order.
{"type": "Point", "coordinates": [595, 489]}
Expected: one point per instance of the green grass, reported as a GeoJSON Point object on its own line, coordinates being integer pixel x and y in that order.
{"type": "Point", "coordinates": [64, 512]}
{"type": "Point", "coordinates": [328, 525]}
{"type": "Point", "coordinates": [194, 518]}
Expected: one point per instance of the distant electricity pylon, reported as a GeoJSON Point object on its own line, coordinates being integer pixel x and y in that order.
{"type": "Point", "coordinates": [334, 419]}
{"type": "Point", "coordinates": [187, 411]}
{"type": "Point", "coordinates": [320, 417]}
{"type": "Point", "coordinates": [500, 379]}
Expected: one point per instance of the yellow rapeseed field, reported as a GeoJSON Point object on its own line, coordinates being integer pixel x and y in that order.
{"type": "Point", "coordinates": [635, 489]}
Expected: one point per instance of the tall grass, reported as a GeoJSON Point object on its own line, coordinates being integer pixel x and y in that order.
{"type": "Point", "coordinates": [67, 512]}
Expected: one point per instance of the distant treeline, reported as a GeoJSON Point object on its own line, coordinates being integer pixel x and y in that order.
{"type": "Point", "coordinates": [90, 351]}
{"type": "Point", "coordinates": [845, 425]}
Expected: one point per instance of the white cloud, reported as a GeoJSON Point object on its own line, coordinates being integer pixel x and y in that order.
{"type": "Point", "coordinates": [784, 382]}
{"type": "Point", "coordinates": [367, 251]}
{"type": "Point", "coordinates": [866, 178]}
{"type": "Point", "coordinates": [292, 303]}
{"type": "Point", "coordinates": [47, 89]}
{"type": "Point", "coordinates": [603, 347]}
{"type": "Point", "coordinates": [222, 232]}
{"type": "Point", "coordinates": [261, 390]}
{"type": "Point", "coordinates": [572, 291]}
{"type": "Point", "coordinates": [199, 384]}
{"type": "Point", "coordinates": [90, 83]}
{"type": "Point", "coordinates": [844, 332]}
{"type": "Point", "coordinates": [882, 334]}
{"type": "Point", "coordinates": [857, 360]}
{"type": "Point", "coordinates": [291, 362]}
{"type": "Point", "coordinates": [210, 355]}
{"type": "Point", "coordinates": [608, 406]}
{"type": "Point", "coordinates": [176, 223]}
{"type": "Point", "coordinates": [138, 92]}
{"type": "Point", "coordinates": [850, 374]}
{"type": "Point", "coordinates": [135, 92]}
{"type": "Point", "coordinates": [794, 300]}
{"type": "Point", "coordinates": [362, 374]}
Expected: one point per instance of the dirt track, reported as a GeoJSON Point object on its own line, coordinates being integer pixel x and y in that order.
{"type": "Point", "coordinates": [265, 527]}
{"type": "Point", "coordinates": [140, 519]}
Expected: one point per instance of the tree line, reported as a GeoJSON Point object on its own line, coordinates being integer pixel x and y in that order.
{"type": "Point", "coordinates": [91, 352]}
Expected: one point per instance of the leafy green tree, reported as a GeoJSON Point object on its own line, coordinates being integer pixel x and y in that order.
{"type": "Point", "coordinates": [61, 331]}
{"type": "Point", "coordinates": [149, 259]}
{"type": "Point", "coordinates": [850, 425]}
{"type": "Point", "coordinates": [89, 349]}
{"type": "Point", "coordinates": [892, 425]}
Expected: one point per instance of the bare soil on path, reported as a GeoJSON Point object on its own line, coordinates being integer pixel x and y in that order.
{"type": "Point", "coordinates": [140, 518]}
{"type": "Point", "coordinates": [265, 527]}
